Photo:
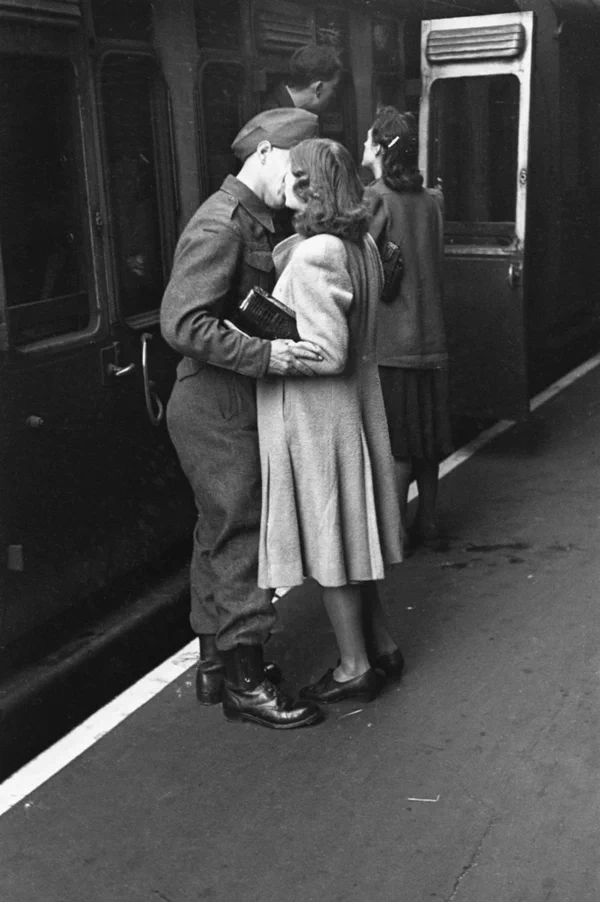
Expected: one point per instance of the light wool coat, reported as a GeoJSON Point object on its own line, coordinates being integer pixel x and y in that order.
{"type": "Point", "coordinates": [329, 506]}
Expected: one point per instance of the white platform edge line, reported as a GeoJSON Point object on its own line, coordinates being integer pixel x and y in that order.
{"type": "Point", "coordinates": [463, 454]}
{"type": "Point", "coordinates": [52, 760]}
{"type": "Point", "coordinates": [48, 763]}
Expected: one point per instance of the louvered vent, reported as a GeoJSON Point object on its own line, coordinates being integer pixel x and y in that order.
{"type": "Point", "coordinates": [282, 32]}
{"type": "Point", "coordinates": [67, 11]}
{"type": "Point", "coordinates": [492, 42]}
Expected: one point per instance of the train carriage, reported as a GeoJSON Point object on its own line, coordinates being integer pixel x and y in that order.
{"type": "Point", "coordinates": [116, 121]}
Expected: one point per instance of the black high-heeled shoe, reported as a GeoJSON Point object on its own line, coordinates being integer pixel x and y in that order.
{"type": "Point", "coordinates": [328, 690]}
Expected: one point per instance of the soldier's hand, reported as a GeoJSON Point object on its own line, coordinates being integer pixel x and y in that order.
{"type": "Point", "coordinates": [293, 358]}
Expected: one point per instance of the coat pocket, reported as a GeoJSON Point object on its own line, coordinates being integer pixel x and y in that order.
{"type": "Point", "coordinates": [261, 260]}
{"type": "Point", "coordinates": [258, 269]}
{"type": "Point", "coordinates": [188, 367]}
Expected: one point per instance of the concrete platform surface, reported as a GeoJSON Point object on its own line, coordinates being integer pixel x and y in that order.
{"type": "Point", "coordinates": [477, 779]}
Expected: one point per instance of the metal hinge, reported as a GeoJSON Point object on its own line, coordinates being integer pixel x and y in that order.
{"type": "Point", "coordinates": [14, 558]}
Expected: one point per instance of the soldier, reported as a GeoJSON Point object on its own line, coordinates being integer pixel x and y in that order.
{"type": "Point", "coordinates": [224, 252]}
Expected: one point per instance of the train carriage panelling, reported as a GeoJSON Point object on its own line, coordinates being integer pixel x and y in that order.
{"type": "Point", "coordinates": [90, 487]}
{"type": "Point", "coordinates": [103, 161]}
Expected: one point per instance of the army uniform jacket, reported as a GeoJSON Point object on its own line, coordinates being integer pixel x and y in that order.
{"type": "Point", "coordinates": [224, 251]}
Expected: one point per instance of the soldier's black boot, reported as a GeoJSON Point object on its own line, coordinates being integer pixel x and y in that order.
{"type": "Point", "coordinates": [248, 696]}
{"type": "Point", "coordinates": [210, 675]}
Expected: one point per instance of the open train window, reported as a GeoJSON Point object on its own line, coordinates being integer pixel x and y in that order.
{"type": "Point", "coordinates": [43, 234]}
{"type": "Point", "coordinates": [474, 145]}
{"type": "Point", "coordinates": [221, 95]}
{"type": "Point", "coordinates": [139, 165]}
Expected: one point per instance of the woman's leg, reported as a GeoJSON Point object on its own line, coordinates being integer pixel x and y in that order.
{"type": "Point", "coordinates": [377, 635]}
{"type": "Point", "coordinates": [344, 607]}
{"type": "Point", "coordinates": [404, 473]}
{"type": "Point", "coordinates": [426, 474]}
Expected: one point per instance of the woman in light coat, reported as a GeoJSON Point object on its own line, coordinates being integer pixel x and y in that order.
{"type": "Point", "coordinates": [329, 508]}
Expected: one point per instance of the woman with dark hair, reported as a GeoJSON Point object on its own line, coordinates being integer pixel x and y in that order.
{"type": "Point", "coordinates": [328, 508]}
{"type": "Point", "coordinates": [411, 344]}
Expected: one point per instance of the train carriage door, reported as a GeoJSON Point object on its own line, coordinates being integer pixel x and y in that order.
{"type": "Point", "coordinates": [138, 365]}
{"type": "Point", "coordinates": [474, 128]}
{"type": "Point", "coordinates": [53, 405]}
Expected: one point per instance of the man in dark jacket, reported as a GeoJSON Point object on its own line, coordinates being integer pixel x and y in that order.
{"type": "Point", "coordinates": [315, 75]}
{"type": "Point", "coordinates": [224, 252]}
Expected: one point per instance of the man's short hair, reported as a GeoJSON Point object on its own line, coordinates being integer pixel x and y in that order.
{"type": "Point", "coordinates": [314, 62]}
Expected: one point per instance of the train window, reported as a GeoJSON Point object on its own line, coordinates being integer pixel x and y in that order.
{"type": "Point", "coordinates": [139, 167]}
{"type": "Point", "coordinates": [387, 90]}
{"type": "Point", "coordinates": [386, 47]}
{"type": "Point", "coordinates": [332, 28]}
{"type": "Point", "coordinates": [474, 135]}
{"type": "Point", "coordinates": [45, 247]}
{"type": "Point", "coordinates": [218, 23]}
{"type": "Point", "coordinates": [221, 94]}
{"type": "Point", "coordinates": [126, 19]}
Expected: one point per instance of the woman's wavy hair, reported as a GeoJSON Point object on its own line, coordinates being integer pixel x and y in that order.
{"type": "Point", "coordinates": [396, 134]}
{"type": "Point", "coordinates": [328, 183]}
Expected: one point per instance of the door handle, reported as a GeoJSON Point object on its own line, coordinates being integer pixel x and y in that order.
{"type": "Point", "coordinates": [114, 370]}
{"type": "Point", "coordinates": [515, 271]}
{"type": "Point", "coordinates": [154, 406]}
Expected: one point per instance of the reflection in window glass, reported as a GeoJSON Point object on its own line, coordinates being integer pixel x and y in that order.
{"type": "Point", "coordinates": [474, 144]}
{"type": "Point", "coordinates": [130, 91]}
{"type": "Point", "coordinates": [332, 29]}
{"type": "Point", "coordinates": [222, 117]}
{"type": "Point", "coordinates": [41, 220]}
{"type": "Point", "coordinates": [386, 48]}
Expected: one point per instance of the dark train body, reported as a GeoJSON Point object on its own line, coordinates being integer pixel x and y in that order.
{"type": "Point", "coordinates": [116, 118]}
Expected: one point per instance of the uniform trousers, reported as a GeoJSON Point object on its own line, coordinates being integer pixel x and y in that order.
{"type": "Point", "coordinates": [211, 417]}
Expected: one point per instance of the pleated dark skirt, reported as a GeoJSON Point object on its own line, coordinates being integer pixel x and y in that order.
{"type": "Point", "coordinates": [417, 411]}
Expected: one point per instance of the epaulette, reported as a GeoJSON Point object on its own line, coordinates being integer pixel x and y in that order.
{"type": "Point", "coordinates": [230, 202]}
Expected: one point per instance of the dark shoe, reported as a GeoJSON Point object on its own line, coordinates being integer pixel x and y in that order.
{"type": "Point", "coordinates": [210, 675]}
{"type": "Point", "coordinates": [269, 707]}
{"type": "Point", "coordinates": [328, 691]}
{"type": "Point", "coordinates": [424, 537]}
{"type": "Point", "coordinates": [248, 696]}
{"type": "Point", "coordinates": [390, 665]}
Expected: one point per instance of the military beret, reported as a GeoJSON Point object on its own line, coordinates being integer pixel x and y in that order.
{"type": "Point", "coordinates": [282, 127]}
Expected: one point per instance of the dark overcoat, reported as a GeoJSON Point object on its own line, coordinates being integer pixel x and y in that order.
{"type": "Point", "coordinates": [411, 327]}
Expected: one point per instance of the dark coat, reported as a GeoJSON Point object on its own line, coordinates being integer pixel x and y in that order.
{"type": "Point", "coordinates": [279, 98]}
{"type": "Point", "coordinates": [411, 327]}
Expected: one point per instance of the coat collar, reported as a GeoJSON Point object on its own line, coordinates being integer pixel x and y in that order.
{"type": "Point", "coordinates": [282, 96]}
{"type": "Point", "coordinates": [249, 201]}
{"type": "Point", "coordinates": [283, 251]}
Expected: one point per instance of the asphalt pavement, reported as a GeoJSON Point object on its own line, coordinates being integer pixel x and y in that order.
{"type": "Point", "coordinates": [476, 779]}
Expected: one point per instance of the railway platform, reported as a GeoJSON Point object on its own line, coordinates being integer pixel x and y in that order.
{"type": "Point", "coordinates": [476, 779]}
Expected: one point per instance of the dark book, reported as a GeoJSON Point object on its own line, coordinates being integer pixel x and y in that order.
{"type": "Point", "coordinates": [263, 316]}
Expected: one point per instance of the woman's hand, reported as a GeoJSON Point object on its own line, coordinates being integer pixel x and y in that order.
{"type": "Point", "coordinates": [292, 358]}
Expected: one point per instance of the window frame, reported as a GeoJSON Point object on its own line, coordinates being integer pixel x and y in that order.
{"type": "Point", "coordinates": [62, 46]}
{"type": "Point", "coordinates": [207, 58]}
{"type": "Point", "coordinates": [519, 66]}
{"type": "Point", "coordinates": [494, 233]}
{"type": "Point", "coordinates": [167, 177]}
